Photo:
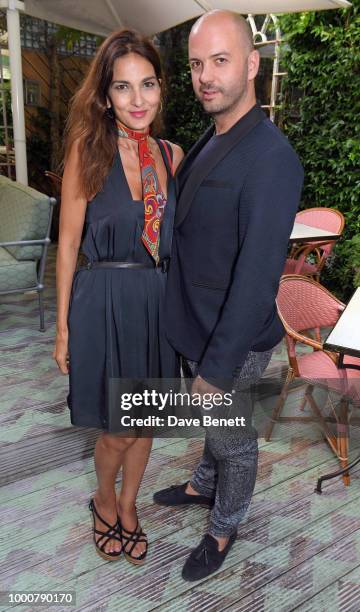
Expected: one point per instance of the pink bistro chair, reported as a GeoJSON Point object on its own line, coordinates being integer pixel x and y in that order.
{"type": "Point", "coordinates": [305, 307]}
{"type": "Point", "coordinates": [325, 218]}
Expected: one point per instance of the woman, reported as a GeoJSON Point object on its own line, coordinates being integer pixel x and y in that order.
{"type": "Point", "coordinates": [118, 181]}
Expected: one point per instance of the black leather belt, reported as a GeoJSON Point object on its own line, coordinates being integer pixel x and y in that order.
{"type": "Point", "coordinates": [163, 265]}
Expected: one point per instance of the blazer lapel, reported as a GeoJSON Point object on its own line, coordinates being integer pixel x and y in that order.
{"type": "Point", "coordinates": [192, 175]}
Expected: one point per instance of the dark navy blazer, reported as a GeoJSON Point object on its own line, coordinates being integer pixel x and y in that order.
{"type": "Point", "coordinates": [234, 216]}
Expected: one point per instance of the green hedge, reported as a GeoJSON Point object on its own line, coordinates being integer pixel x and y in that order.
{"type": "Point", "coordinates": [321, 119]}
{"type": "Point", "coordinates": [184, 117]}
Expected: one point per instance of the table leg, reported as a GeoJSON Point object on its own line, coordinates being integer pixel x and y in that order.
{"type": "Point", "coordinates": [334, 474]}
{"type": "Point", "coordinates": [342, 449]}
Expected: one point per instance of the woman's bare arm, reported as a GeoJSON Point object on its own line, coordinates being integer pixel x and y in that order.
{"type": "Point", "coordinates": [72, 215]}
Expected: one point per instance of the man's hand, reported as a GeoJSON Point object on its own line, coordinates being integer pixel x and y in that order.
{"type": "Point", "coordinates": [201, 387]}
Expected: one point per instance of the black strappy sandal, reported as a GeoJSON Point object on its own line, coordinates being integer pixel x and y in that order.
{"type": "Point", "coordinates": [113, 533]}
{"type": "Point", "coordinates": [135, 537]}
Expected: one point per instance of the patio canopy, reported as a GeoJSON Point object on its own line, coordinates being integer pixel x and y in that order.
{"type": "Point", "coordinates": [104, 16]}
{"type": "Point", "coordinates": [152, 16]}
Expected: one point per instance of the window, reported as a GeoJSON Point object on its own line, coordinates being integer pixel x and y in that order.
{"type": "Point", "coordinates": [32, 93]}
{"type": "Point", "coordinates": [34, 33]}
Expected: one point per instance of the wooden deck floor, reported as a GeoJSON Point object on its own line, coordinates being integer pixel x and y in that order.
{"type": "Point", "coordinates": [295, 550]}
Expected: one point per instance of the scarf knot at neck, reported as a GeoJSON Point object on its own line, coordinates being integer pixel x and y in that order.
{"type": "Point", "coordinates": [125, 132]}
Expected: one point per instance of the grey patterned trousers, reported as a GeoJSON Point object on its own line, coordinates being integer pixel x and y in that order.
{"type": "Point", "coordinates": [228, 466]}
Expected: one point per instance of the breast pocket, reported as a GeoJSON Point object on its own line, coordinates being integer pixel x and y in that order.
{"type": "Point", "coordinates": [218, 184]}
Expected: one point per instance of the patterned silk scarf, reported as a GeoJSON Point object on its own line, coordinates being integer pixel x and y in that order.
{"type": "Point", "coordinates": [154, 199]}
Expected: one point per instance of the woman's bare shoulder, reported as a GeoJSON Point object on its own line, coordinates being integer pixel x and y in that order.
{"type": "Point", "coordinates": [178, 154]}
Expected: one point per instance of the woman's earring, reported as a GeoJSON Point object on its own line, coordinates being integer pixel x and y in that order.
{"type": "Point", "coordinates": [109, 112]}
{"type": "Point", "coordinates": [161, 106]}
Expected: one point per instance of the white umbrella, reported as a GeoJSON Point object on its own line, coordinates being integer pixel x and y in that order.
{"type": "Point", "coordinates": [152, 16]}
{"type": "Point", "coordinates": [104, 16]}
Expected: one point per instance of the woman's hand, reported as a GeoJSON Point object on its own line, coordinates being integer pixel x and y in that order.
{"type": "Point", "coordinates": [72, 215]}
{"type": "Point", "coordinates": [61, 352]}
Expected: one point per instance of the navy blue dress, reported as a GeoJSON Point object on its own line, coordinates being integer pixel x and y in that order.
{"type": "Point", "coordinates": [116, 316]}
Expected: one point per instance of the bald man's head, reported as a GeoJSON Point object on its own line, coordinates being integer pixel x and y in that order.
{"type": "Point", "coordinates": [223, 63]}
{"type": "Point", "coordinates": [227, 19]}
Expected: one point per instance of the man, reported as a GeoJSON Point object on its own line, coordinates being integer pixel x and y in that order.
{"type": "Point", "coordinates": [239, 189]}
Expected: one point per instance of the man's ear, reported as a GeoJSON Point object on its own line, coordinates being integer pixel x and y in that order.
{"type": "Point", "coordinates": [253, 64]}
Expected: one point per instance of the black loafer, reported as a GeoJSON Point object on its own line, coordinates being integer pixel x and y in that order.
{"type": "Point", "coordinates": [176, 496]}
{"type": "Point", "coordinates": [205, 559]}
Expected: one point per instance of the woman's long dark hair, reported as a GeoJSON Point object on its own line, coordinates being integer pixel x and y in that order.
{"type": "Point", "coordinates": [89, 123]}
